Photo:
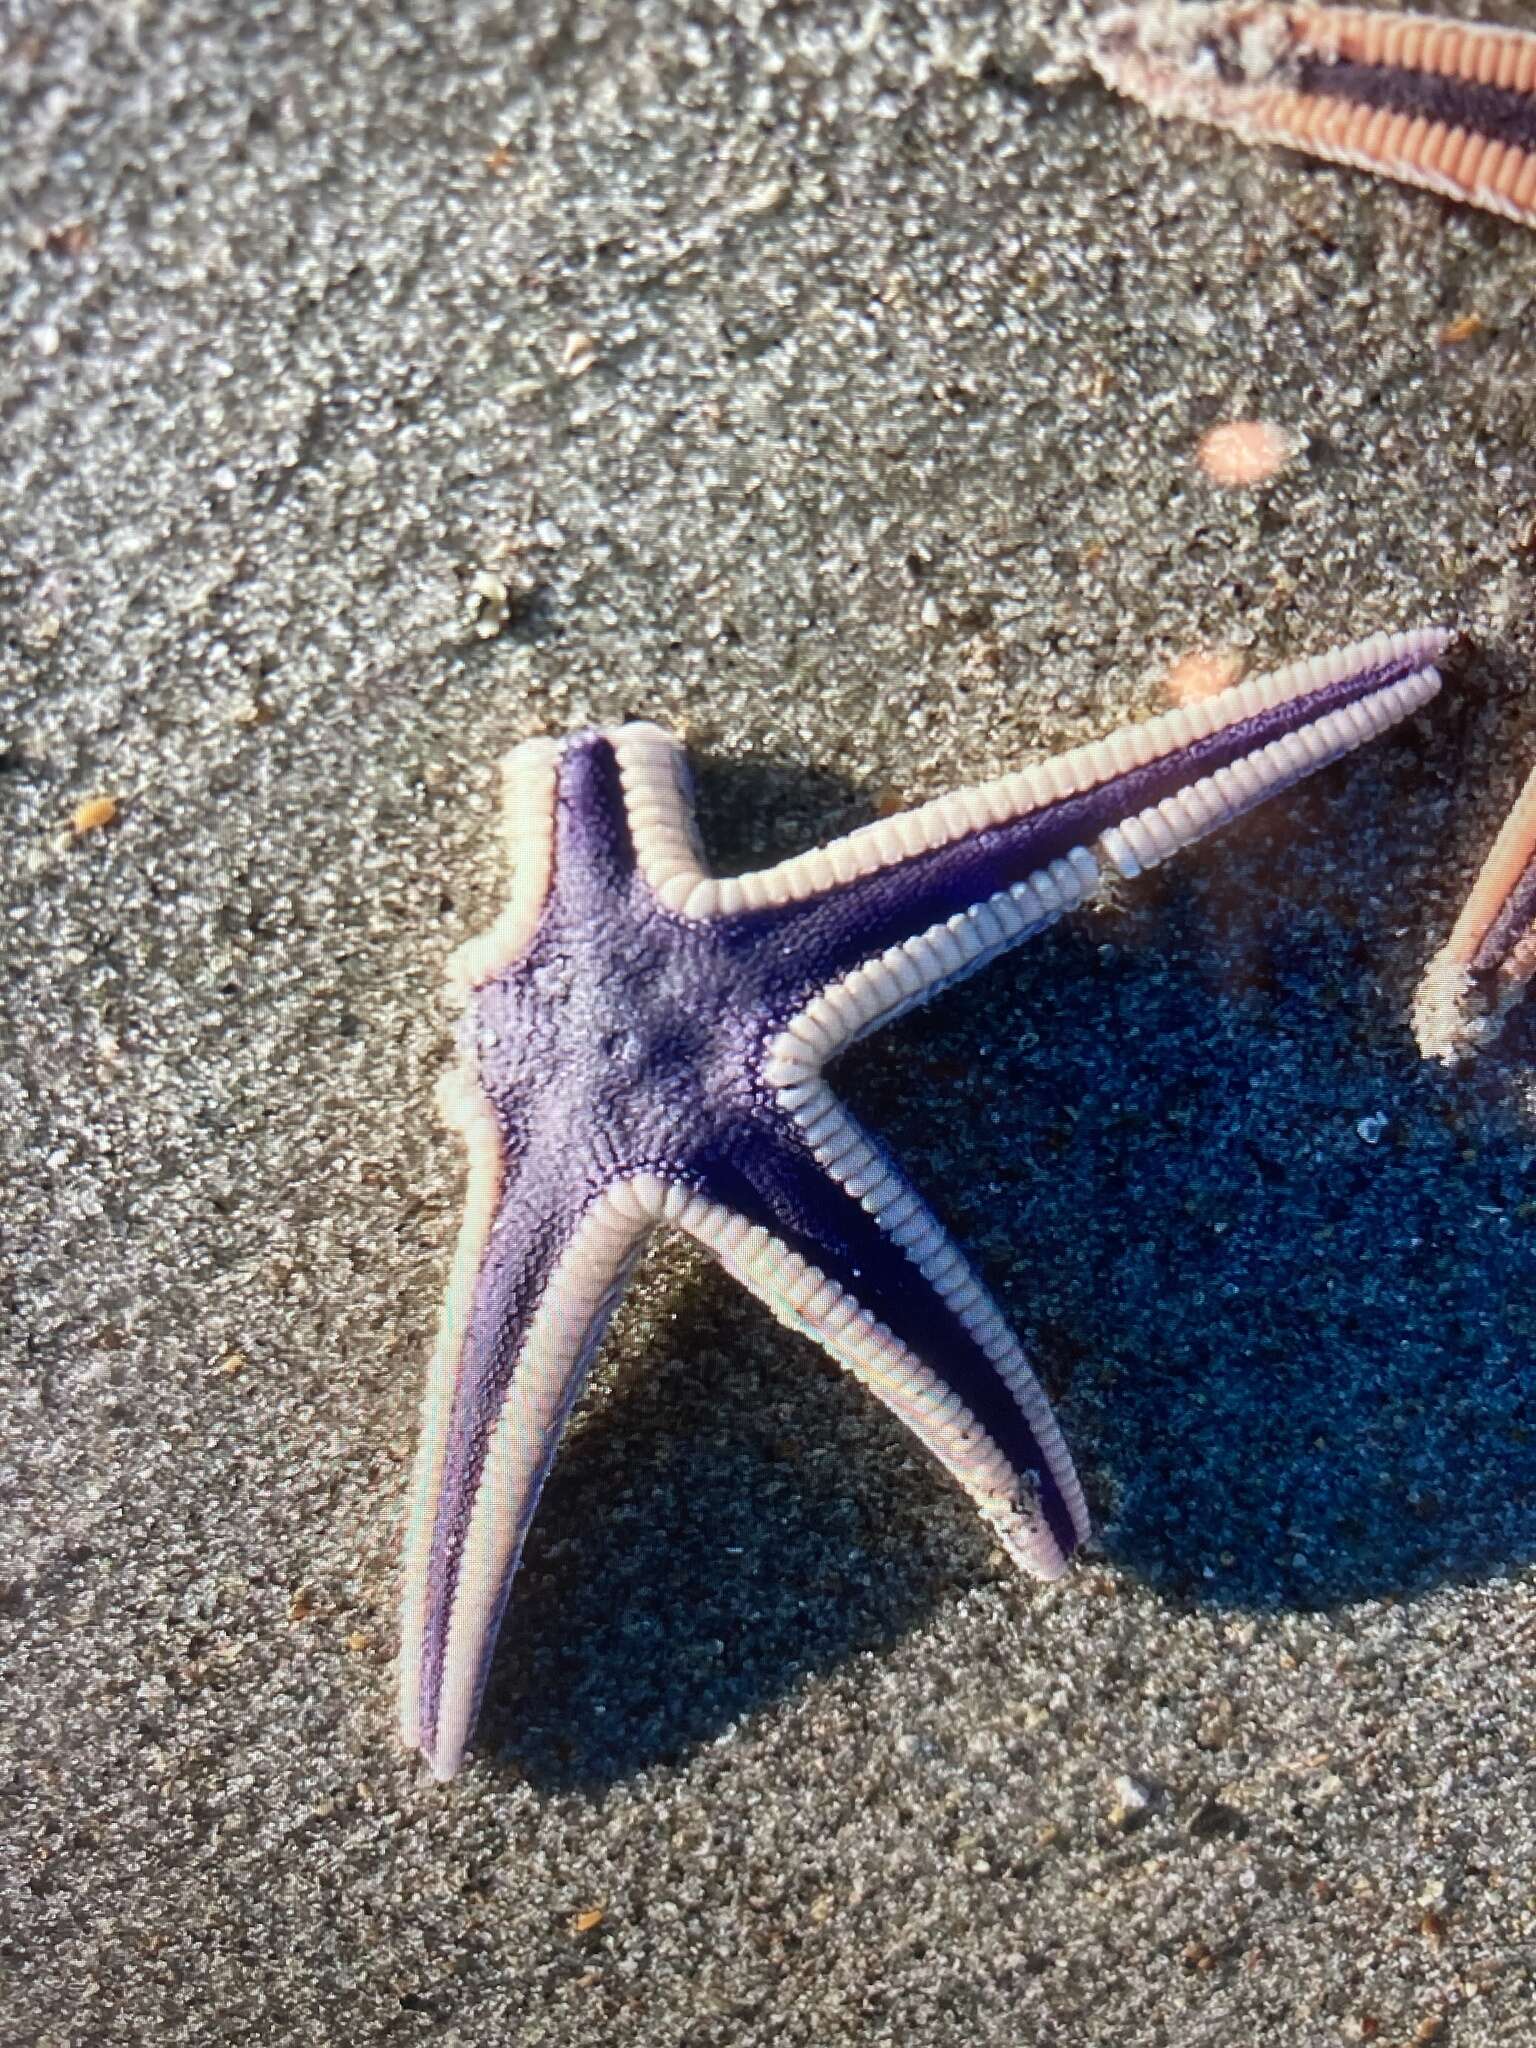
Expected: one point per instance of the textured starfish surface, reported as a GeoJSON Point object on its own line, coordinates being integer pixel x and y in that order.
{"type": "Point", "coordinates": [1450, 105]}
{"type": "Point", "coordinates": [644, 1044]}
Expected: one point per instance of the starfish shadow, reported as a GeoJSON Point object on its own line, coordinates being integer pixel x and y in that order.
{"type": "Point", "coordinates": [721, 1528]}
{"type": "Point", "coordinates": [1275, 1270]}
{"type": "Point", "coordinates": [1302, 1309]}
{"type": "Point", "coordinates": [1514, 1053]}
{"type": "Point", "coordinates": [759, 810]}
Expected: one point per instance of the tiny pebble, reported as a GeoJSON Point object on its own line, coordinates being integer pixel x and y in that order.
{"type": "Point", "coordinates": [1240, 453]}
{"type": "Point", "coordinates": [1204, 672]}
{"type": "Point", "coordinates": [489, 596]}
{"type": "Point", "coordinates": [1134, 1800]}
{"type": "Point", "coordinates": [91, 815]}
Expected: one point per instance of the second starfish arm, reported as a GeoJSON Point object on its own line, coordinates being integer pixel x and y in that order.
{"type": "Point", "coordinates": [538, 1273]}
{"type": "Point", "coordinates": [836, 1244]}
{"type": "Point", "coordinates": [947, 887]}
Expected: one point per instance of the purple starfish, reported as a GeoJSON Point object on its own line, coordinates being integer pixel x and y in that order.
{"type": "Point", "coordinates": [644, 1044]}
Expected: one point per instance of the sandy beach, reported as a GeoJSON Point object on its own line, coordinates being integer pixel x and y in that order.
{"type": "Point", "coordinates": [382, 386]}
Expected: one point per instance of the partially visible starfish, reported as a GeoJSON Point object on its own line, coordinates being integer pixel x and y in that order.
{"type": "Point", "coordinates": [1446, 104]}
{"type": "Point", "coordinates": [644, 1044]}
{"type": "Point", "coordinates": [1483, 968]}
{"type": "Point", "coordinates": [1450, 105]}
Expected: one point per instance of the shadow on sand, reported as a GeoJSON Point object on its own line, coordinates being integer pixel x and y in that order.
{"type": "Point", "coordinates": [1277, 1273]}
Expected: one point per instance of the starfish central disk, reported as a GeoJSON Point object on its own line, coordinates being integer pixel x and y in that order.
{"type": "Point", "coordinates": [645, 1044]}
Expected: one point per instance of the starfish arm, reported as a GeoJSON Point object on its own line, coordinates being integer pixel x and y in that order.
{"type": "Point", "coordinates": [1448, 105]}
{"type": "Point", "coordinates": [948, 887]}
{"type": "Point", "coordinates": [1477, 976]}
{"type": "Point", "coordinates": [529, 777]}
{"type": "Point", "coordinates": [1041, 836]}
{"type": "Point", "coordinates": [539, 1269]}
{"type": "Point", "coordinates": [833, 1241]}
